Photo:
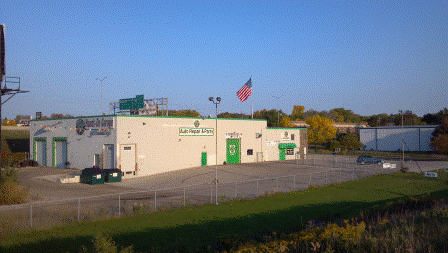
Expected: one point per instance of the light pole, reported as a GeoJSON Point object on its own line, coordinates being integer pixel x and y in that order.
{"type": "Point", "coordinates": [218, 100]}
{"type": "Point", "coordinates": [278, 112]}
{"type": "Point", "coordinates": [101, 81]}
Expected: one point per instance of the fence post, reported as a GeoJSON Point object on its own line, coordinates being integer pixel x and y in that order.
{"type": "Point", "coordinates": [79, 206]}
{"type": "Point", "coordinates": [155, 201]}
{"type": "Point", "coordinates": [119, 204]}
{"type": "Point", "coordinates": [31, 216]}
{"type": "Point", "coordinates": [184, 196]}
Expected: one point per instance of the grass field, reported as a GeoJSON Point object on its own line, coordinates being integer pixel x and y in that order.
{"type": "Point", "coordinates": [202, 228]}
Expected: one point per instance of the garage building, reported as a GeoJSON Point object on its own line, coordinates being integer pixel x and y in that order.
{"type": "Point", "coordinates": [146, 145]}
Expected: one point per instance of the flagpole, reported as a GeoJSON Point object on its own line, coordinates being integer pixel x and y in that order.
{"type": "Point", "coordinates": [252, 102]}
{"type": "Point", "coordinates": [251, 99]}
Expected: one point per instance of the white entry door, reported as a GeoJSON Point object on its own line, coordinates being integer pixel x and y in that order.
{"type": "Point", "coordinates": [127, 157]}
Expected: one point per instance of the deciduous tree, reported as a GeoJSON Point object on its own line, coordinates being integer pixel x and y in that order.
{"type": "Point", "coordinates": [297, 112]}
{"type": "Point", "coordinates": [286, 122]}
{"type": "Point", "coordinates": [320, 129]}
{"type": "Point", "coordinates": [350, 141]}
{"type": "Point", "coordinates": [439, 140]}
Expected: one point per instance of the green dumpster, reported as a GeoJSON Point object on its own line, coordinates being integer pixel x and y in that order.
{"type": "Point", "coordinates": [112, 175]}
{"type": "Point", "coordinates": [92, 176]}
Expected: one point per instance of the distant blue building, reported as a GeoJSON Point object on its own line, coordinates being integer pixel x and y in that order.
{"type": "Point", "coordinates": [390, 138]}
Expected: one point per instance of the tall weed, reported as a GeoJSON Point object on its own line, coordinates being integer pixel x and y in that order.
{"type": "Point", "coordinates": [11, 192]}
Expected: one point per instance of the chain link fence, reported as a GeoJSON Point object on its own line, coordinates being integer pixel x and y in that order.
{"type": "Point", "coordinates": [43, 215]}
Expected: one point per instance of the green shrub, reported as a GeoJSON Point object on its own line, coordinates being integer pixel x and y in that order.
{"type": "Point", "coordinates": [141, 208]}
{"type": "Point", "coordinates": [104, 244]}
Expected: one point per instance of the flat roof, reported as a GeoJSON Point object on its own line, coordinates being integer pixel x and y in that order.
{"type": "Point", "coordinates": [144, 116]}
{"type": "Point", "coordinates": [399, 127]}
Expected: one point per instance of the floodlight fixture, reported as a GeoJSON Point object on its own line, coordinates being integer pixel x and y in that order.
{"type": "Point", "coordinates": [218, 99]}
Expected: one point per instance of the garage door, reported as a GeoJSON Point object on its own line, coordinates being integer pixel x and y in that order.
{"type": "Point", "coordinates": [109, 156]}
{"type": "Point", "coordinates": [40, 151]}
{"type": "Point", "coordinates": [60, 153]}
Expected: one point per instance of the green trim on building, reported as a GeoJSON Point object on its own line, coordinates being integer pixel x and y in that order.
{"type": "Point", "coordinates": [286, 145]}
{"type": "Point", "coordinates": [55, 139]}
{"type": "Point", "coordinates": [144, 116]}
{"type": "Point", "coordinates": [80, 117]}
{"type": "Point", "coordinates": [286, 128]}
{"type": "Point", "coordinates": [36, 139]}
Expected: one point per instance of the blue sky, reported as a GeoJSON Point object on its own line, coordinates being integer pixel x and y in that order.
{"type": "Point", "coordinates": [367, 56]}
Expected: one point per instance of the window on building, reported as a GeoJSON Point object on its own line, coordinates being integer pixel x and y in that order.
{"type": "Point", "coordinates": [250, 152]}
{"type": "Point", "coordinates": [292, 137]}
{"type": "Point", "coordinates": [289, 151]}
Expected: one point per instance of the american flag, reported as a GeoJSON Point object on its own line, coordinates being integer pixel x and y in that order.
{"type": "Point", "coordinates": [245, 91]}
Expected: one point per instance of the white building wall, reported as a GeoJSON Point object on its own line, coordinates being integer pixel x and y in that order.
{"type": "Point", "coordinates": [368, 138]}
{"type": "Point", "coordinates": [159, 145]}
{"type": "Point", "coordinates": [80, 148]}
{"type": "Point", "coordinates": [416, 138]}
{"type": "Point", "coordinates": [425, 139]}
{"type": "Point", "coordinates": [272, 137]}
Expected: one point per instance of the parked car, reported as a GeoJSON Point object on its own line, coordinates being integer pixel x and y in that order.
{"type": "Point", "coordinates": [366, 159]}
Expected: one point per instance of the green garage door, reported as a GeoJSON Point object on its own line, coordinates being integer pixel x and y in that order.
{"type": "Point", "coordinates": [233, 151]}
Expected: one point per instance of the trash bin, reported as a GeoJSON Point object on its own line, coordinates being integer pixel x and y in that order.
{"type": "Point", "coordinates": [112, 175]}
{"type": "Point", "coordinates": [92, 176]}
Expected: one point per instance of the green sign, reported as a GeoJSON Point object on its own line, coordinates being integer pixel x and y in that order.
{"type": "Point", "coordinates": [132, 103]}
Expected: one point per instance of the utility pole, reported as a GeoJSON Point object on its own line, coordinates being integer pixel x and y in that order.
{"type": "Point", "coordinates": [278, 112]}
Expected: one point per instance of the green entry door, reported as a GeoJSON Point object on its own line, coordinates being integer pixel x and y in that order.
{"type": "Point", "coordinates": [282, 154]}
{"type": "Point", "coordinates": [204, 159]}
{"type": "Point", "coordinates": [233, 151]}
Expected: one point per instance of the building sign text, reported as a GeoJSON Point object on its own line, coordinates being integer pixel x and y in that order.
{"type": "Point", "coordinates": [186, 131]}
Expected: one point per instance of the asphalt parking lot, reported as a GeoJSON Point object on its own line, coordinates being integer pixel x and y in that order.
{"type": "Point", "coordinates": [44, 186]}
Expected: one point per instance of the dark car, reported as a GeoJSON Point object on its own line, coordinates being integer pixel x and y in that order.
{"type": "Point", "coordinates": [366, 159]}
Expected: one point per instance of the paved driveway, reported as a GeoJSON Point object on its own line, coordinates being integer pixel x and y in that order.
{"type": "Point", "coordinates": [44, 186]}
